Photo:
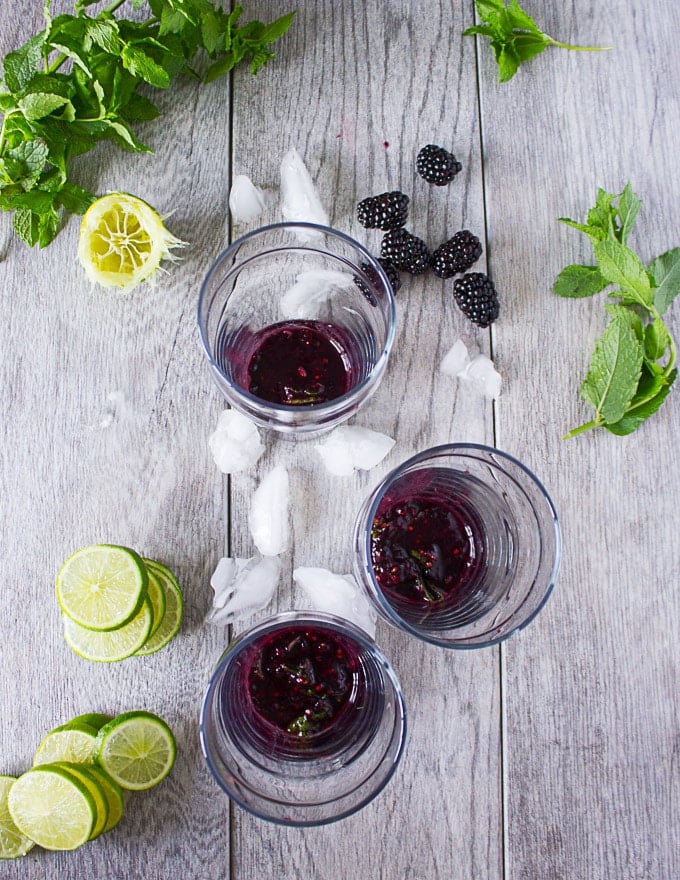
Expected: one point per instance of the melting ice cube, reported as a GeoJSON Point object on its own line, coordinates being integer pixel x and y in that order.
{"type": "Point", "coordinates": [300, 200]}
{"type": "Point", "coordinates": [242, 586]}
{"type": "Point", "coordinates": [235, 444]}
{"type": "Point", "coordinates": [478, 371]}
{"type": "Point", "coordinates": [246, 201]}
{"type": "Point", "coordinates": [336, 594]}
{"type": "Point", "coordinates": [350, 447]}
{"type": "Point", "coordinates": [311, 290]}
{"type": "Point", "coordinates": [269, 513]}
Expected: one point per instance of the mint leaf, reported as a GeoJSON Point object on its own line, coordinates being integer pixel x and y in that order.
{"type": "Point", "coordinates": [35, 105]}
{"type": "Point", "coordinates": [102, 33]}
{"type": "Point", "coordinates": [629, 206]}
{"type": "Point", "coordinates": [614, 371]}
{"type": "Point", "coordinates": [20, 65]}
{"type": "Point", "coordinates": [26, 225]}
{"type": "Point", "coordinates": [644, 404]}
{"type": "Point", "coordinates": [142, 65]}
{"type": "Point", "coordinates": [577, 281]}
{"type": "Point", "coordinates": [665, 270]}
{"type": "Point", "coordinates": [657, 340]}
{"type": "Point", "coordinates": [594, 233]}
{"type": "Point", "coordinates": [514, 35]}
{"type": "Point", "coordinates": [622, 266]}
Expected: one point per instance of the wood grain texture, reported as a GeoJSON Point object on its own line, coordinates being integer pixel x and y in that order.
{"type": "Point", "coordinates": [591, 689]}
{"type": "Point", "coordinates": [352, 91]}
{"type": "Point", "coordinates": [553, 757]}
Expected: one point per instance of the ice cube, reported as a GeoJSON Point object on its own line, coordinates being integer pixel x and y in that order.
{"type": "Point", "coordinates": [300, 200]}
{"type": "Point", "coordinates": [269, 513]}
{"type": "Point", "coordinates": [235, 444]}
{"type": "Point", "coordinates": [349, 448]}
{"type": "Point", "coordinates": [336, 594]}
{"type": "Point", "coordinates": [311, 290]}
{"type": "Point", "coordinates": [246, 201]}
{"type": "Point", "coordinates": [455, 360]}
{"type": "Point", "coordinates": [242, 586]}
{"type": "Point", "coordinates": [482, 374]}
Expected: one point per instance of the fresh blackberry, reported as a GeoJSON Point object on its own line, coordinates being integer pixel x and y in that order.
{"type": "Point", "coordinates": [437, 165]}
{"type": "Point", "coordinates": [387, 211]}
{"type": "Point", "coordinates": [405, 251]}
{"type": "Point", "coordinates": [369, 271]}
{"type": "Point", "coordinates": [457, 254]}
{"type": "Point", "coordinates": [477, 298]}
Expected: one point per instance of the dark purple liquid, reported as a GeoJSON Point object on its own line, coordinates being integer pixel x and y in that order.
{"type": "Point", "coordinates": [303, 679]}
{"type": "Point", "coordinates": [298, 363]}
{"type": "Point", "coordinates": [426, 544]}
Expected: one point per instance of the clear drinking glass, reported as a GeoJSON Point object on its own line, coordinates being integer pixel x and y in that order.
{"type": "Point", "coordinates": [297, 322]}
{"type": "Point", "coordinates": [459, 546]}
{"type": "Point", "coordinates": [303, 721]}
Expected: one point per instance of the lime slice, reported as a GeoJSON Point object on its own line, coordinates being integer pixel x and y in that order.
{"type": "Point", "coordinates": [92, 719]}
{"type": "Point", "coordinates": [73, 744]}
{"type": "Point", "coordinates": [52, 808]}
{"type": "Point", "coordinates": [156, 595]}
{"type": "Point", "coordinates": [102, 586]}
{"type": "Point", "coordinates": [123, 241]}
{"type": "Point", "coordinates": [137, 749]}
{"type": "Point", "coordinates": [113, 794]}
{"type": "Point", "coordinates": [117, 644]}
{"type": "Point", "coordinates": [95, 789]}
{"type": "Point", "coordinates": [174, 609]}
{"type": "Point", "coordinates": [13, 844]}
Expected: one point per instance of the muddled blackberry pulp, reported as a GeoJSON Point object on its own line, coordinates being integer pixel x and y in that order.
{"type": "Point", "coordinates": [299, 363]}
{"type": "Point", "coordinates": [426, 545]}
{"type": "Point", "coordinates": [304, 679]}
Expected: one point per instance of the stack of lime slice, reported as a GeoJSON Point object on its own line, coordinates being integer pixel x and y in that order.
{"type": "Point", "coordinates": [115, 603]}
{"type": "Point", "coordinates": [73, 792]}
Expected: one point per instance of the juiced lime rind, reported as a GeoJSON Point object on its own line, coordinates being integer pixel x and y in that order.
{"type": "Point", "coordinates": [102, 586]}
{"type": "Point", "coordinates": [113, 793]}
{"type": "Point", "coordinates": [52, 808]}
{"type": "Point", "coordinates": [137, 749]}
{"type": "Point", "coordinates": [13, 844]}
{"type": "Point", "coordinates": [156, 595]}
{"type": "Point", "coordinates": [174, 610]}
{"type": "Point", "coordinates": [112, 645]}
{"type": "Point", "coordinates": [91, 719]}
{"type": "Point", "coordinates": [75, 744]}
{"type": "Point", "coordinates": [81, 772]}
{"type": "Point", "coordinates": [123, 241]}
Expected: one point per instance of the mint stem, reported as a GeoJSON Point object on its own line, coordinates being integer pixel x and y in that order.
{"type": "Point", "coordinates": [588, 426]}
{"type": "Point", "coordinates": [578, 48]}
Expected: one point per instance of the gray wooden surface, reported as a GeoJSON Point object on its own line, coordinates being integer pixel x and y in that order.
{"type": "Point", "coordinates": [554, 756]}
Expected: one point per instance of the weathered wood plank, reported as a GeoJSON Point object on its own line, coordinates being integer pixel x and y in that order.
{"type": "Point", "coordinates": [106, 409]}
{"type": "Point", "coordinates": [591, 689]}
{"type": "Point", "coordinates": [352, 90]}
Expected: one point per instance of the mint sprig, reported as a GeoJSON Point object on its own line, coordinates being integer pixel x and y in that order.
{"type": "Point", "coordinates": [84, 79]}
{"type": "Point", "coordinates": [514, 35]}
{"type": "Point", "coordinates": [633, 366]}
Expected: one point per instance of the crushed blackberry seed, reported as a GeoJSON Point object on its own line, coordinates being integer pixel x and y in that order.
{"type": "Point", "coordinates": [457, 254]}
{"type": "Point", "coordinates": [405, 251]}
{"type": "Point", "coordinates": [477, 298]}
{"type": "Point", "coordinates": [436, 165]}
{"type": "Point", "coordinates": [387, 211]}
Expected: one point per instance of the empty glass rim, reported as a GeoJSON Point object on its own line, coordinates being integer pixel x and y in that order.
{"type": "Point", "coordinates": [381, 361]}
{"type": "Point", "coordinates": [338, 624]}
{"type": "Point", "coordinates": [453, 449]}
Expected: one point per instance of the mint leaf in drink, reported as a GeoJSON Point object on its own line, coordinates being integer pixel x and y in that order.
{"type": "Point", "coordinates": [665, 270]}
{"type": "Point", "coordinates": [577, 281]}
{"type": "Point", "coordinates": [633, 366]}
{"type": "Point", "coordinates": [614, 371]}
{"type": "Point", "coordinates": [514, 36]}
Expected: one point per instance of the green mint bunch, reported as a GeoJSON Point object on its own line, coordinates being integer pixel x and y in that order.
{"type": "Point", "coordinates": [633, 365]}
{"type": "Point", "coordinates": [85, 78]}
{"type": "Point", "coordinates": [514, 35]}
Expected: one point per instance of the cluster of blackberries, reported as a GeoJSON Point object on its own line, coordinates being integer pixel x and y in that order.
{"type": "Point", "coordinates": [402, 251]}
